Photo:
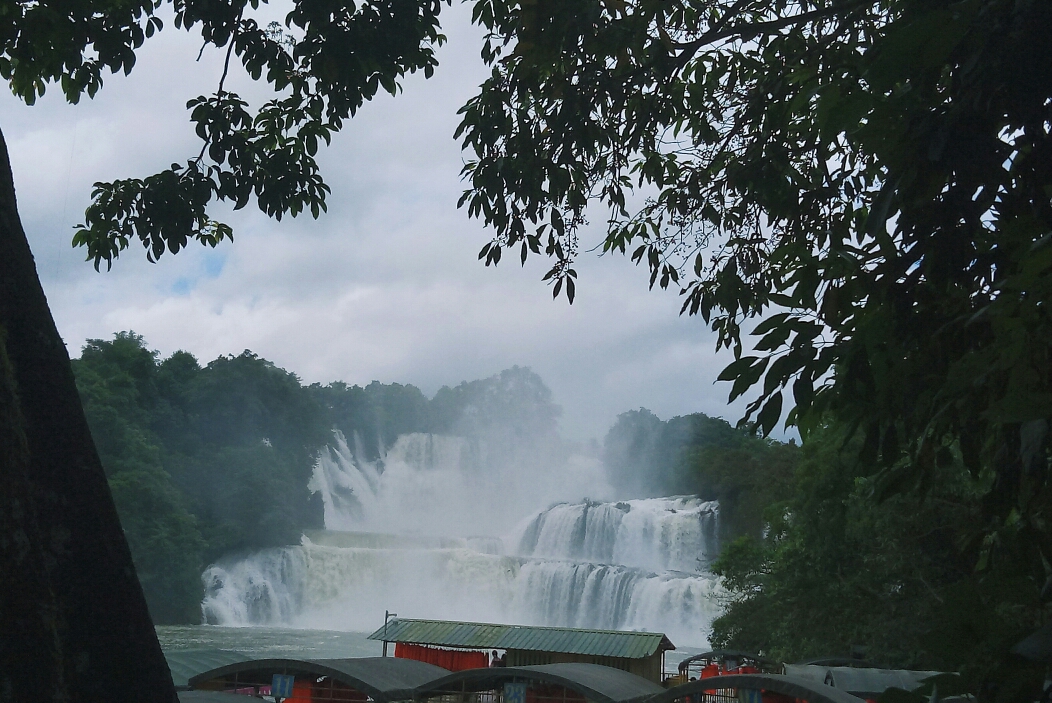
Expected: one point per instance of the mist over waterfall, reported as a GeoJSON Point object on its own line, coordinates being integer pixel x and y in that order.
{"type": "Point", "coordinates": [471, 528]}
{"type": "Point", "coordinates": [435, 484]}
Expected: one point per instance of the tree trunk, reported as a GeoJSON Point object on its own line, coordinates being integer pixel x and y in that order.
{"type": "Point", "coordinates": [73, 620]}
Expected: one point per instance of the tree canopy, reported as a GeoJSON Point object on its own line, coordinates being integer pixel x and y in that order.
{"type": "Point", "coordinates": [322, 64]}
{"type": "Point", "coordinates": [700, 455]}
{"type": "Point", "coordinates": [865, 186]}
{"type": "Point", "coordinates": [865, 167]}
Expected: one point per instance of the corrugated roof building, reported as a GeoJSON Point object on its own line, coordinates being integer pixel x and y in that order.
{"type": "Point", "coordinates": [637, 652]}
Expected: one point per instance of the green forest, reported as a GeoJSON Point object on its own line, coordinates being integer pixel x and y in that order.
{"type": "Point", "coordinates": [207, 460]}
{"type": "Point", "coordinates": [704, 456]}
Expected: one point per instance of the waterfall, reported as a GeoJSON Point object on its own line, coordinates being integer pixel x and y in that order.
{"type": "Point", "coordinates": [312, 585]}
{"type": "Point", "coordinates": [428, 484]}
{"type": "Point", "coordinates": [660, 534]}
{"type": "Point", "coordinates": [414, 532]}
{"type": "Point", "coordinates": [342, 588]}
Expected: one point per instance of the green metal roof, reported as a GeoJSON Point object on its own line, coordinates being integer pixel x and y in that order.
{"type": "Point", "coordinates": [565, 640]}
{"type": "Point", "coordinates": [187, 663]}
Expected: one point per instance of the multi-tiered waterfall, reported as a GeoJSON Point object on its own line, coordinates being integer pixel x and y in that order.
{"type": "Point", "coordinates": [415, 534]}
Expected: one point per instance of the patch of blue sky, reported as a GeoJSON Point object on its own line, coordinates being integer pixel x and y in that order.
{"type": "Point", "coordinates": [183, 285]}
{"type": "Point", "coordinates": [213, 263]}
{"type": "Point", "coordinates": [211, 266]}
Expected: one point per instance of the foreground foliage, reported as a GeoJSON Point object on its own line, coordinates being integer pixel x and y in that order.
{"type": "Point", "coordinates": [864, 186]}
{"type": "Point", "coordinates": [837, 568]}
{"type": "Point", "coordinates": [322, 65]}
{"type": "Point", "coordinates": [870, 179]}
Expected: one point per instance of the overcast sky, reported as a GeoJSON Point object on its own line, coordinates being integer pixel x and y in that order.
{"type": "Point", "coordinates": [385, 286]}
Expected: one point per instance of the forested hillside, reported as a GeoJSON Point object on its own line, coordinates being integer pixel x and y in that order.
{"type": "Point", "coordinates": [846, 561]}
{"type": "Point", "coordinates": [205, 460]}
{"type": "Point", "coordinates": [700, 455]}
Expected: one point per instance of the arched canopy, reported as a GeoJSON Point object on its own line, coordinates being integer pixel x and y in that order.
{"type": "Point", "coordinates": [187, 663]}
{"type": "Point", "coordinates": [811, 672]}
{"type": "Point", "coordinates": [775, 683]}
{"type": "Point", "coordinates": [872, 682]}
{"type": "Point", "coordinates": [383, 679]}
{"type": "Point", "coordinates": [601, 684]}
{"type": "Point", "coordinates": [840, 661]}
{"type": "Point", "coordinates": [724, 654]}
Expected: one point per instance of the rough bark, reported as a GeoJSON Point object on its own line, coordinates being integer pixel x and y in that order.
{"type": "Point", "coordinates": [73, 620]}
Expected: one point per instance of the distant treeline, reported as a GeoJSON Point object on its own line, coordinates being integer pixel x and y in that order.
{"type": "Point", "coordinates": [208, 460]}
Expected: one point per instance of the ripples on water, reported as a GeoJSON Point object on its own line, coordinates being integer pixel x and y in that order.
{"type": "Point", "coordinates": [265, 642]}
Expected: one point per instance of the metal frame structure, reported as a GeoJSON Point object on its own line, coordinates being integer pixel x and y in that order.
{"type": "Point", "coordinates": [789, 686]}
{"type": "Point", "coordinates": [549, 683]}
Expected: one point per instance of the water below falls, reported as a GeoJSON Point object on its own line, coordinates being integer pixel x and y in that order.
{"type": "Point", "coordinates": [636, 564]}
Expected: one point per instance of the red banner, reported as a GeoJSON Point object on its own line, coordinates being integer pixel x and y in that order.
{"type": "Point", "coordinates": [452, 659]}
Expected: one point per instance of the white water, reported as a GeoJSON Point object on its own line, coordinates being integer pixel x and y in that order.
{"type": "Point", "coordinates": [659, 534]}
{"type": "Point", "coordinates": [431, 484]}
{"type": "Point", "coordinates": [404, 536]}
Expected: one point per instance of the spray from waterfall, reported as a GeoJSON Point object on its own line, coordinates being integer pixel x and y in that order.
{"type": "Point", "coordinates": [457, 528]}
{"type": "Point", "coordinates": [435, 484]}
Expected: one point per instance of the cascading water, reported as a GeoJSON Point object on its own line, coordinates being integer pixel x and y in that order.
{"type": "Point", "coordinates": [660, 534]}
{"type": "Point", "coordinates": [432, 484]}
{"type": "Point", "coordinates": [403, 534]}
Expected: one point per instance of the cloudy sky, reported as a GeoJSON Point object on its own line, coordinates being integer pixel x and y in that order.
{"type": "Point", "coordinates": [385, 286]}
